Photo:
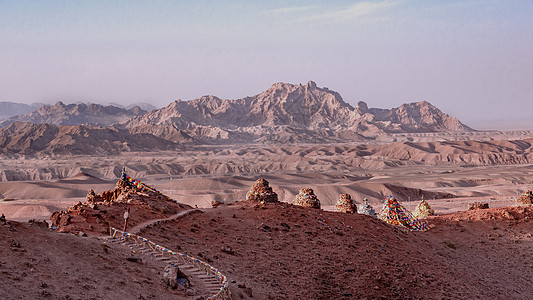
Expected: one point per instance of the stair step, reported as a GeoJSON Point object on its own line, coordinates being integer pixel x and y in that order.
{"type": "Point", "coordinates": [185, 266]}
{"type": "Point", "coordinates": [162, 258]}
{"type": "Point", "coordinates": [213, 287]}
{"type": "Point", "coordinates": [212, 281]}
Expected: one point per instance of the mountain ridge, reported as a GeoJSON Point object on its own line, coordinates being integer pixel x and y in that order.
{"type": "Point", "coordinates": [318, 114]}
{"type": "Point", "coordinates": [23, 138]}
{"type": "Point", "coordinates": [284, 113]}
{"type": "Point", "coordinates": [10, 109]}
{"type": "Point", "coordinates": [77, 114]}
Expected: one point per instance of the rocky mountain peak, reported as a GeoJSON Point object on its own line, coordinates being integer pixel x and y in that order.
{"type": "Point", "coordinates": [284, 113]}
{"type": "Point", "coordinates": [361, 107]}
{"type": "Point", "coordinates": [286, 110]}
{"type": "Point", "coordinates": [311, 85]}
{"type": "Point", "coordinates": [59, 104]}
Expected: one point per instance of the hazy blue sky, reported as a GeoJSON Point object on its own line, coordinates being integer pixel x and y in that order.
{"type": "Point", "coordinates": [472, 59]}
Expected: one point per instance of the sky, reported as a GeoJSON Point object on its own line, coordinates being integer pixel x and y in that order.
{"type": "Point", "coordinates": [471, 59]}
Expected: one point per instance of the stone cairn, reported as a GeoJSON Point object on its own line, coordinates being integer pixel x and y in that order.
{"type": "Point", "coordinates": [477, 205]}
{"type": "Point", "coordinates": [366, 209]}
{"type": "Point", "coordinates": [525, 199]}
{"type": "Point", "coordinates": [261, 192]}
{"type": "Point", "coordinates": [423, 210]}
{"type": "Point", "coordinates": [307, 198]}
{"type": "Point", "coordinates": [345, 204]}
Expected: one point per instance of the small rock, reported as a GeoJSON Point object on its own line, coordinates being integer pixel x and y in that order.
{"type": "Point", "coordinates": [227, 249]}
{"type": "Point", "coordinates": [134, 259]}
{"type": "Point", "coordinates": [285, 226]}
{"type": "Point", "coordinates": [249, 292]}
{"type": "Point", "coordinates": [216, 203]}
{"type": "Point", "coordinates": [264, 227]}
{"type": "Point", "coordinates": [105, 248]}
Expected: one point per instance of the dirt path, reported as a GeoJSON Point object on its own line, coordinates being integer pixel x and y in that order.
{"type": "Point", "coordinates": [137, 228]}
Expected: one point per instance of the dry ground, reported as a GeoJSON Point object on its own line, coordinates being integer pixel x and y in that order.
{"type": "Point", "coordinates": [279, 251]}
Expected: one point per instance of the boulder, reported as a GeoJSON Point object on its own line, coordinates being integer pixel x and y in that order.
{"type": "Point", "coordinates": [174, 278]}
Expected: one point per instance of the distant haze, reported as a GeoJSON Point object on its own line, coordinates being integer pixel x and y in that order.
{"type": "Point", "coordinates": [472, 59]}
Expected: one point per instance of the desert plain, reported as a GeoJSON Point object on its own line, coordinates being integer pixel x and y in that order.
{"type": "Point", "coordinates": [280, 251]}
{"type": "Point", "coordinates": [447, 174]}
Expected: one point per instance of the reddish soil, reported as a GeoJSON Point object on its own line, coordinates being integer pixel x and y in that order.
{"type": "Point", "coordinates": [37, 263]}
{"type": "Point", "coordinates": [280, 251]}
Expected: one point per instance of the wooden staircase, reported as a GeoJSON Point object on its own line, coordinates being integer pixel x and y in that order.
{"type": "Point", "coordinates": [212, 280]}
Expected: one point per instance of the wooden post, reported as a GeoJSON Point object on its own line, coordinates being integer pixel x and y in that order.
{"type": "Point", "coordinates": [126, 217]}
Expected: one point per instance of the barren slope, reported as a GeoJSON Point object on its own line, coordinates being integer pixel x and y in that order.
{"type": "Point", "coordinates": [50, 140]}
{"type": "Point", "coordinates": [37, 263]}
{"type": "Point", "coordinates": [284, 252]}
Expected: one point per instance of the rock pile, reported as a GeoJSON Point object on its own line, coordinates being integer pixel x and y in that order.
{"type": "Point", "coordinates": [423, 210]}
{"type": "Point", "coordinates": [60, 218]}
{"type": "Point", "coordinates": [525, 199]}
{"type": "Point", "coordinates": [366, 209]}
{"type": "Point", "coordinates": [477, 205]}
{"type": "Point", "coordinates": [395, 214]}
{"type": "Point", "coordinates": [261, 192]}
{"type": "Point", "coordinates": [345, 204]}
{"type": "Point", "coordinates": [307, 198]}
{"type": "Point", "coordinates": [101, 210]}
{"type": "Point", "coordinates": [123, 192]}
